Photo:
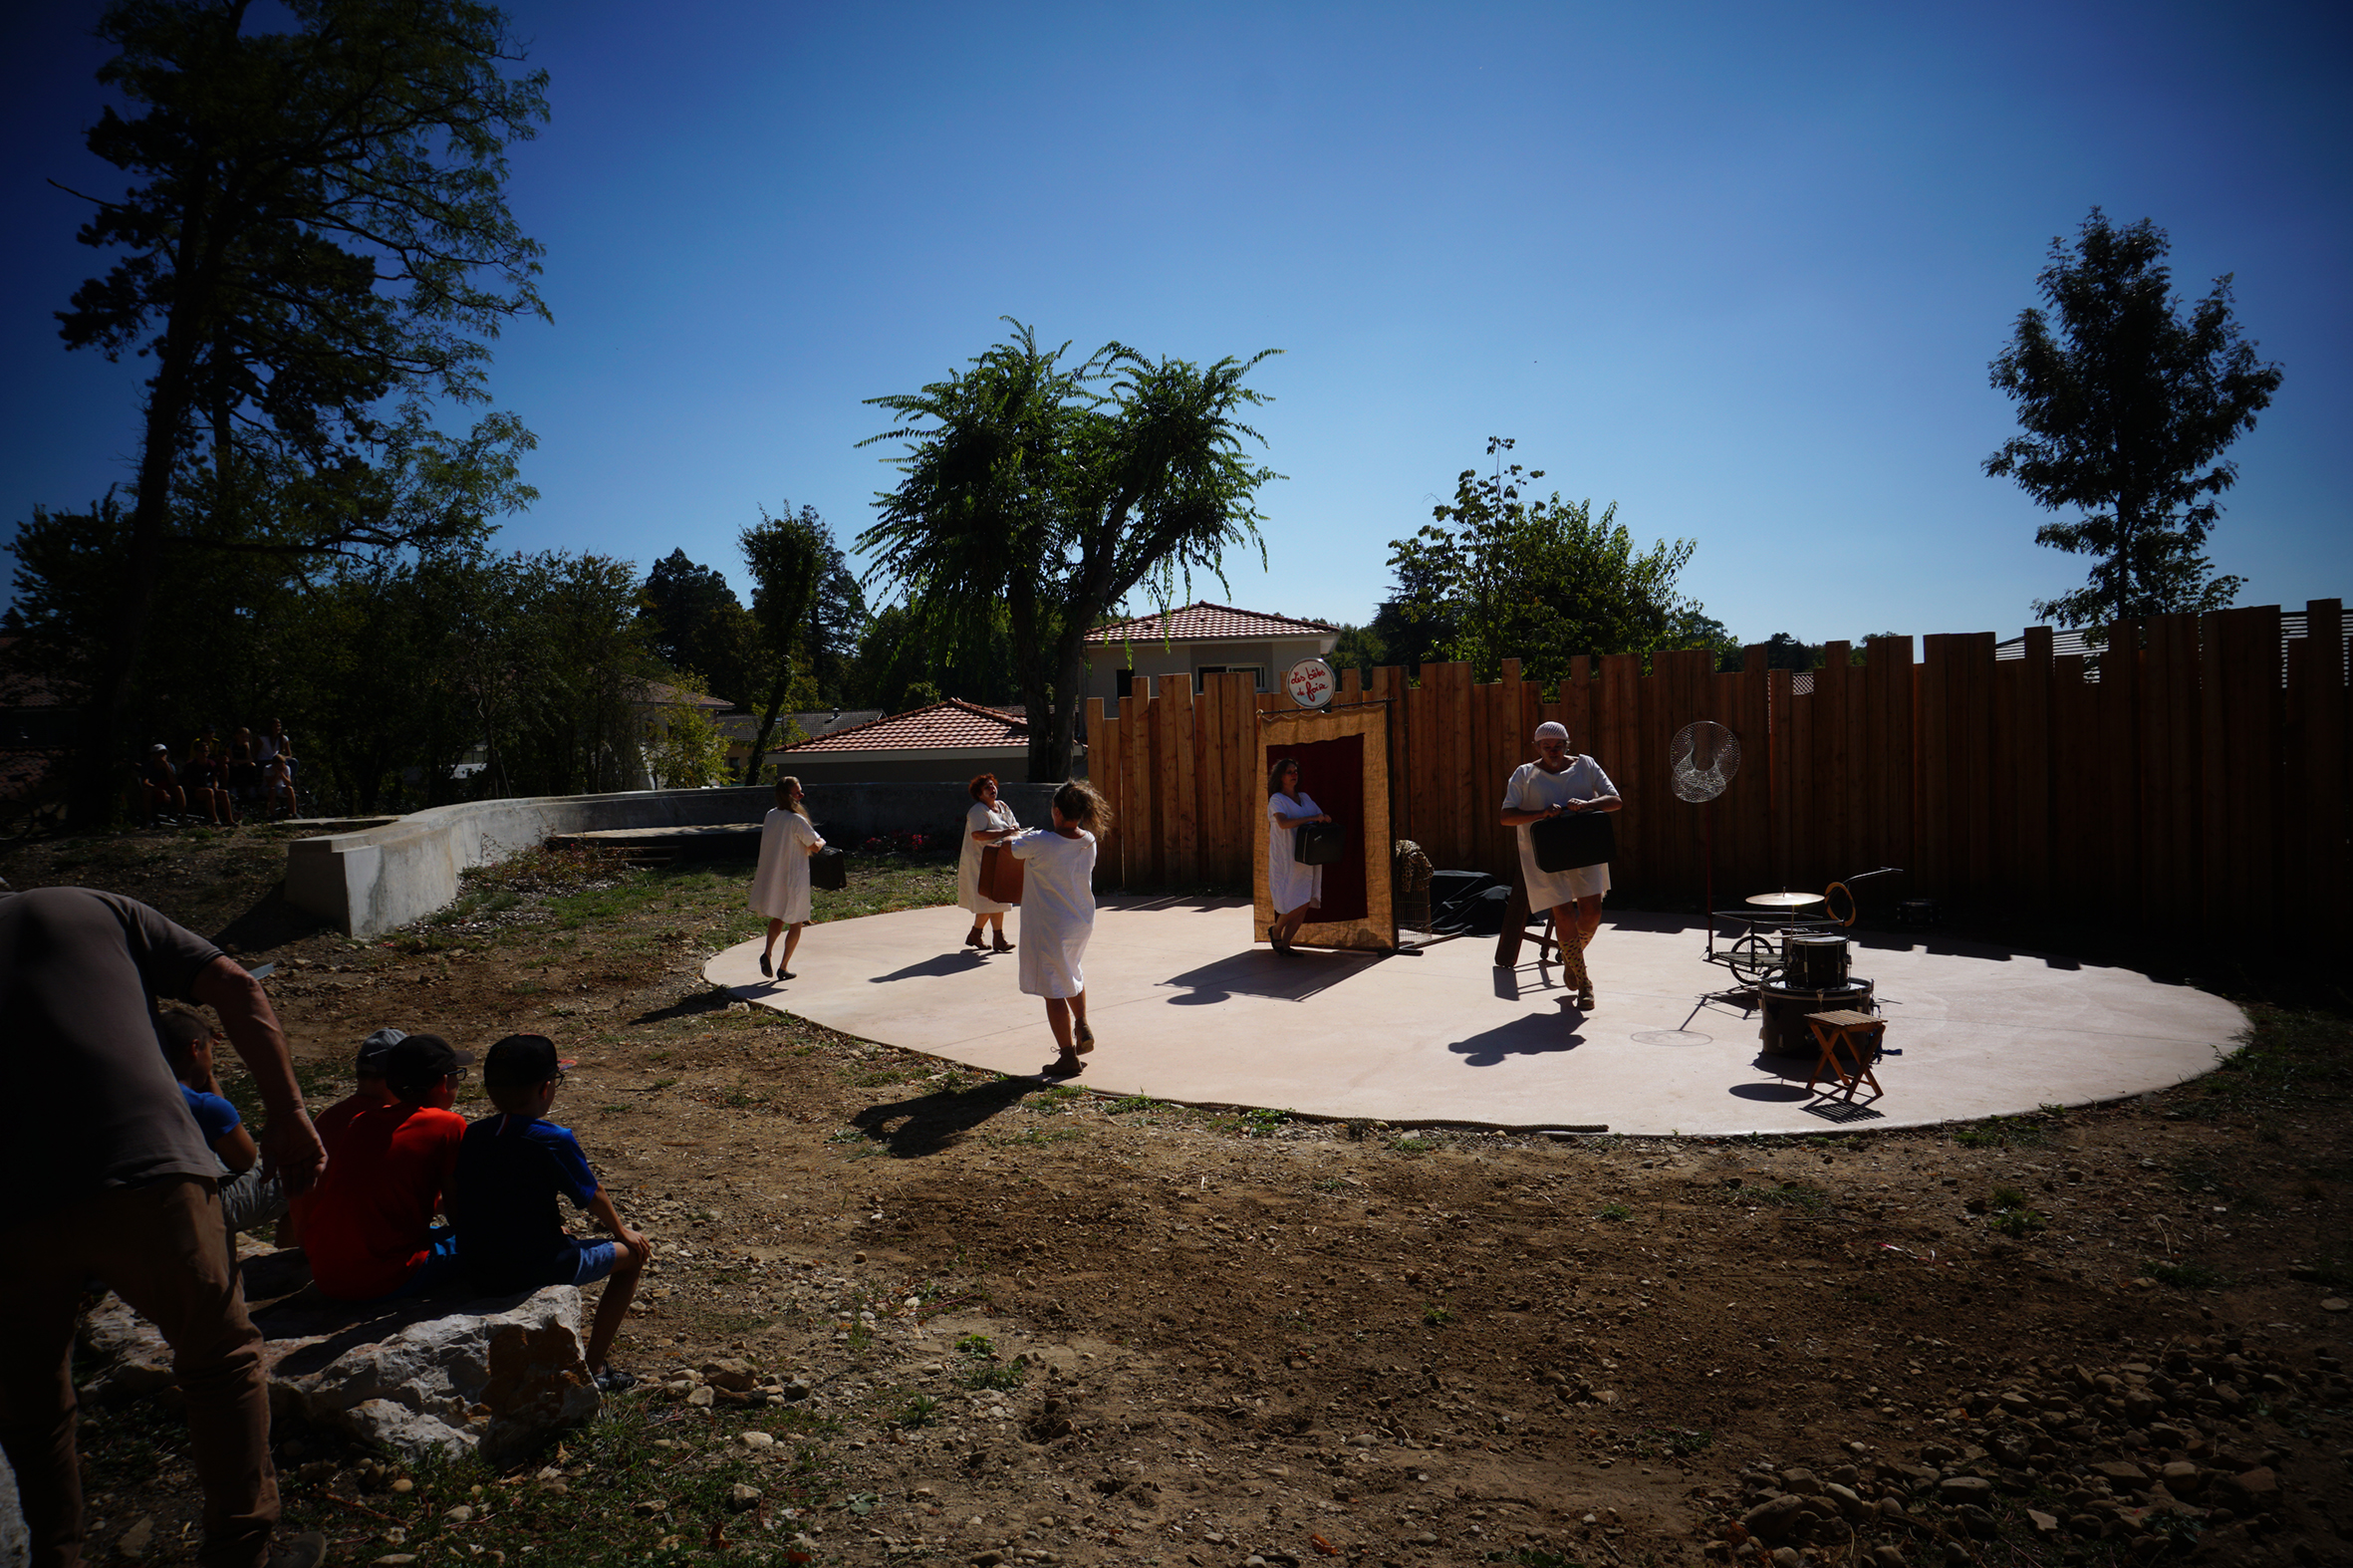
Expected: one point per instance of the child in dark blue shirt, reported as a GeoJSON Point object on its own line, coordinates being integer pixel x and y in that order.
{"type": "Point", "coordinates": [511, 1171]}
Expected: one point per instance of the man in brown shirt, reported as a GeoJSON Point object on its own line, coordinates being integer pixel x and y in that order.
{"type": "Point", "coordinates": [112, 1178]}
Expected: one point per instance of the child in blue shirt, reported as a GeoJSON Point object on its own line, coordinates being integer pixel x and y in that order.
{"type": "Point", "coordinates": [247, 1198]}
{"type": "Point", "coordinates": [511, 1170]}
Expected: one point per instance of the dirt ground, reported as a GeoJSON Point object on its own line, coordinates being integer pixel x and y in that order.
{"type": "Point", "coordinates": [903, 1311]}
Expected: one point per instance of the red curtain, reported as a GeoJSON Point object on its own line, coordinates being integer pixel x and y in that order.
{"type": "Point", "coordinates": [1332, 773]}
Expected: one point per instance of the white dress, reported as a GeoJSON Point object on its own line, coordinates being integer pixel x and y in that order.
{"type": "Point", "coordinates": [1057, 910]}
{"type": "Point", "coordinates": [780, 888]}
{"type": "Point", "coordinates": [1288, 883]}
{"type": "Point", "coordinates": [980, 819]}
{"type": "Point", "coordinates": [1533, 789]}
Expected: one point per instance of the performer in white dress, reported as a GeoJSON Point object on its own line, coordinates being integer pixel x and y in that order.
{"type": "Point", "coordinates": [1293, 888]}
{"type": "Point", "coordinates": [1057, 915]}
{"type": "Point", "coordinates": [990, 821]}
{"type": "Point", "coordinates": [780, 886]}
{"type": "Point", "coordinates": [1554, 784]}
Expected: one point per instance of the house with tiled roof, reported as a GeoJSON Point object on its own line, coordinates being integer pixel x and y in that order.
{"type": "Point", "coordinates": [1199, 640]}
{"type": "Point", "coordinates": [952, 740]}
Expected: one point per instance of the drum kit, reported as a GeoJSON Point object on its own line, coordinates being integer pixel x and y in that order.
{"type": "Point", "coordinates": [1793, 957]}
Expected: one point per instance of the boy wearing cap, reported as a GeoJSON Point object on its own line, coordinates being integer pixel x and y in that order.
{"type": "Point", "coordinates": [370, 1231]}
{"type": "Point", "coordinates": [511, 1170]}
{"type": "Point", "coordinates": [247, 1198]}
{"type": "Point", "coordinates": [370, 1089]}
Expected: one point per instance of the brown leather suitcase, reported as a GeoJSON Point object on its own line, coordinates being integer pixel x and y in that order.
{"type": "Point", "coordinates": [1000, 875]}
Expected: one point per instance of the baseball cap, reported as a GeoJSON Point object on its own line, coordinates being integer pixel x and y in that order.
{"type": "Point", "coordinates": [521, 1060]}
{"type": "Point", "coordinates": [375, 1048]}
{"type": "Point", "coordinates": [419, 1061]}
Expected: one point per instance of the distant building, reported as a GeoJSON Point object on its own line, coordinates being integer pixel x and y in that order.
{"type": "Point", "coordinates": [1200, 640]}
{"type": "Point", "coordinates": [950, 740]}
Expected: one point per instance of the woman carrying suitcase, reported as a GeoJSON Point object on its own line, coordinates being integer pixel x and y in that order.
{"type": "Point", "coordinates": [1554, 785]}
{"type": "Point", "coordinates": [1293, 888]}
{"type": "Point", "coordinates": [990, 821]}
{"type": "Point", "coordinates": [780, 886]}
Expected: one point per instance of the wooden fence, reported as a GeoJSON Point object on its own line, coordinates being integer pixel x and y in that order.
{"type": "Point", "coordinates": [2198, 780]}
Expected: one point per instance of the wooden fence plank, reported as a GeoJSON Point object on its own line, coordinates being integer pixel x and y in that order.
{"type": "Point", "coordinates": [1103, 770]}
{"type": "Point", "coordinates": [2324, 770]}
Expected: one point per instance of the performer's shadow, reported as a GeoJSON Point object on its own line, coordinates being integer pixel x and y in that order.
{"type": "Point", "coordinates": [1539, 1034]}
{"type": "Point", "coordinates": [962, 961]}
{"type": "Point", "coordinates": [910, 1129]}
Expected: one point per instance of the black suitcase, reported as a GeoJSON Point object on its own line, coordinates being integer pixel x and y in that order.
{"type": "Point", "coordinates": [1566, 842]}
{"type": "Point", "coordinates": [1317, 843]}
{"type": "Point", "coordinates": [828, 870]}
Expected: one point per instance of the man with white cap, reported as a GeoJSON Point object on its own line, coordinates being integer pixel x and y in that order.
{"type": "Point", "coordinates": [1554, 785]}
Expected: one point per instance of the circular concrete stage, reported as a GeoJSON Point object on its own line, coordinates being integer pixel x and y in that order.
{"type": "Point", "coordinates": [1186, 1007]}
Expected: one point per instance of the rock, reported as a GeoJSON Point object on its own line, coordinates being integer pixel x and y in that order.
{"type": "Point", "coordinates": [1770, 1521]}
{"type": "Point", "coordinates": [2335, 1304]}
{"type": "Point", "coordinates": [1887, 1557]}
{"type": "Point", "coordinates": [1787, 1557]}
{"type": "Point", "coordinates": [137, 1540]}
{"type": "Point", "coordinates": [649, 1507]}
{"type": "Point", "coordinates": [755, 1441]}
{"type": "Point", "coordinates": [2044, 1523]}
{"type": "Point", "coordinates": [1957, 1490]}
{"type": "Point", "coordinates": [733, 1373]}
{"type": "Point", "coordinates": [704, 1397]}
{"type": "Point", "coordinates": [16, 1542]}
{"type": "Point", "coordinates": [499, 1375]}
{"type": "Point", "coordinates": [1850, 1506]}
{"type": "Point", "coordinates": [403, 1484]}
{"type": "Point", "coordinates": [1977, 1521]}
{"type": "Point", "coordinates": [742, 1498]}
{"type": "Point", "coordinates": [2256, 1488]}
{"type": "Point", "coordinates": [2182, 1479]}
{"type": "Point", "coordinates": [1801, 1482]}
{"type": "Point", "coordinates": [2122, 1473]}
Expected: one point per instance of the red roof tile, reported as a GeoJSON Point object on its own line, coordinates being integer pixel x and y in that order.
{"type": "Point", "coordinates": [953, 722]}
{"type": "Point", "coordinates": [1204, 622]}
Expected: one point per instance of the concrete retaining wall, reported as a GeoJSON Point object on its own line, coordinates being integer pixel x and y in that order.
{"type": "Point", "coordinates": [383, 879]}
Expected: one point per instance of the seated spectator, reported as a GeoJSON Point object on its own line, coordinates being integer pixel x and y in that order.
{"type": "Point", "coordinates": [370, 1231]}
{"type": "Point", "coordinates": [247, 1198]}
{"type": "Point", "coordinates": [331, 1123]}
{"type": "Point", "coordinates": [277, 785]}
{"type": "Point", "coordinates": [511, 1170]}
{"type": "Point", "coordinates": [206, 784]}
{"type": "Point", "coordinates": [244, 776]}
{"type": "Point", "coordinates": [280, 743]}
{"type": "Point", "coordinates": [160, 785]}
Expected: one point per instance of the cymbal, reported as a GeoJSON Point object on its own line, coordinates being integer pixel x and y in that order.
{"type": "Point", "coordinates": [1785, 900]}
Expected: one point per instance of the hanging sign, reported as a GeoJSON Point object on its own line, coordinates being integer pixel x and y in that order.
{"type": "Point", "coordinates": [1311, 683]}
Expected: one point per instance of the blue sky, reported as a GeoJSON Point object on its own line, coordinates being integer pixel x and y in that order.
{"type": "Point", "coordinates": [1738, 268]}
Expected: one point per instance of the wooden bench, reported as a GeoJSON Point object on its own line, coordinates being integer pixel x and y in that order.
{"type": "Point", "coordinates": [1858, 1034]}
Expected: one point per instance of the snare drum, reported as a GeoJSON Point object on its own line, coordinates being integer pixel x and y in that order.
{"type": "Point", "coordinates": [1813, 961]}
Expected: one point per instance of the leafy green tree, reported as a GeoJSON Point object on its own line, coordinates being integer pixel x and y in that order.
{"type": "Point", "coordinates": [2128, 408]}
{"type": "Point", "coordinates": [897, 662]}
{"type": "Point", "coordinates": [1048, 493]}
{"type": "Point", "coordinates": [1539, 580]}
{"type": "Point", "coordinates": [1358, 647]}
{"type": "Point", "coordinates": [316, 231]}
{"type": "Point", "coordinates": [788, 557]}
{"type": "Point", "coordinates": [694, 623]}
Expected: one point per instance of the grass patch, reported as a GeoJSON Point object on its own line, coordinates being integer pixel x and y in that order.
{"type": "Point", "coordinates": [1436, 1316]}
{"type": "Point", "coordinates": [1787, 1195]}
{"type": "Point", "coordinates": [1615, 1212]}
{"type": "Point", "coordinates": [1263, 1120]}
{"type": "Point", "coordinates": [2288, 1058]}
{"type": "Point", "coordinates": [1680, 1441]}
{"type": "Point", "coordinates": [2005, 1132]}
{"type": "Point", "coordinates": [1411, 1144]}
{"type": "Point", "coordinates": [1131, 1103]}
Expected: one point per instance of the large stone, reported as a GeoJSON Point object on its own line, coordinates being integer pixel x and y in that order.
{"type": "Point", "coordinates": [499, 1375]}
{"type": "Point", "coordinates": [1771, 1520]}
{"type": "Point", "coordinates": [16, 1543]}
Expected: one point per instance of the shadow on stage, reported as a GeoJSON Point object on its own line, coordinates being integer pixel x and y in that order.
{"type": "Point", "coordinates": [1303, 973]}
{"type": "Point", "coordinates": [911, 1129]}
{"type": "Point", "coordinates": [1542, 1034]}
